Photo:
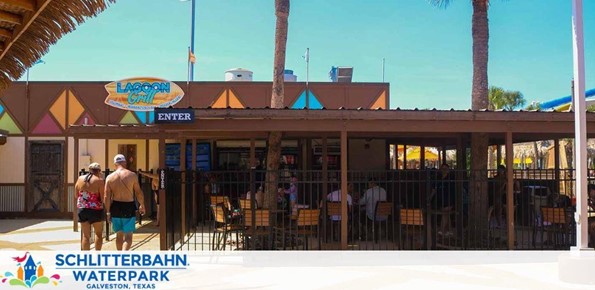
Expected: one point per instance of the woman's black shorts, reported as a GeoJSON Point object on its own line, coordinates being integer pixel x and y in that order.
{"type": "Point", "coordinates": [90, 215]}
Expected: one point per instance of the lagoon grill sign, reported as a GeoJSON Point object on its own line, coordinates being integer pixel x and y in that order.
{"type": "Point", "coordinates": [143, 94]}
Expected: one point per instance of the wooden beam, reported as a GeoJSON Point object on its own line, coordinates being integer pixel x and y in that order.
{"type": "Point", "coordinates": [162, 201]}
{"type": "Point", "coordinates": [11, 18]}
{"type": "Point", "coordinates": [509, 191]}
{"type": "Point", "coordinates": [344, 190]}
{"type": "Point", "coordinates": [5, 33]}
{"type": "Point", "coordinates": [28, 5]}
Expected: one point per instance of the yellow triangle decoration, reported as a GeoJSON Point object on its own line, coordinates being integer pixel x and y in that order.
{"type": "Point", "coordinates": [8, 124]}
{"type": "Point", "coordinates": [75, 109]}
{"type": "Point", "coordinates": [58, 109]}
{"type": "Point", "coordinates": [234, 102]}
{"type": "Point", "coordinates": [380, 102]}
{"type": "Point", "coordinates": [221, 101]}
{"type": "Point", "coordinates": [129, 119]}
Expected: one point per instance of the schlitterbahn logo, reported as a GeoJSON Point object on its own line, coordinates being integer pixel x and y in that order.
{"type": "Point", "coordinates": [28, 273]}
{"type": "Point", "coordinates": [121, 270]}
{"type": "Point", "coordinates": [143, 94]}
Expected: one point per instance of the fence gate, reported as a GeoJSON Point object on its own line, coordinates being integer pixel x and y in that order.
{"type": "Point", "coordinates": [46, 177]}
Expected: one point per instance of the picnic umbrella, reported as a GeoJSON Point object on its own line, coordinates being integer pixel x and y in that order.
{"type": "Point", "coordinates": [415, 154]}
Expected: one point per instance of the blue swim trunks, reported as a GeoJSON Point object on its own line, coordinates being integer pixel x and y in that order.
{"type": "Point", "coordinates": [125, 225]}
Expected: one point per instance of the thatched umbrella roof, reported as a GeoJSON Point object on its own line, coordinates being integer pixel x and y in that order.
{"type": "Point", "coordinates": [29, 27]}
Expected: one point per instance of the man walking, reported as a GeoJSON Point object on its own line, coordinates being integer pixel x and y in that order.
{"type": "Point", "coordinates": [120, 188]}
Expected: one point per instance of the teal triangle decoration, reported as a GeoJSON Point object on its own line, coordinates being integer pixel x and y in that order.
{"type": "Point", "coordinates": [151, 117]}
{"type": "Point", "coordinates": [313, 102]}
{"type": "Point", "coordinates": [141, 116]}
{"type": "Point", "coordinates": [1, 109]}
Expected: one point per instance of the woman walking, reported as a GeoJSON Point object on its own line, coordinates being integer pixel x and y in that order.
{"type": "Point", "coordinates": [89, 190]}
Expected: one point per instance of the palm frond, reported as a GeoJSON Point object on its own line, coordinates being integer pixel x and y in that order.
{"type": "Point", "coordinates": [57, 19]}
{"type": "Point", "coordinates": [440, 3]}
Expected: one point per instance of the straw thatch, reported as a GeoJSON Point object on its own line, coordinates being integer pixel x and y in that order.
{"type": "Point", "coordinates": [52, 20]}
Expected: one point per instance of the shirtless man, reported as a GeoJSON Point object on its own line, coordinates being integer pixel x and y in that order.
{"type": "Point", "coordinates": [120, 188]}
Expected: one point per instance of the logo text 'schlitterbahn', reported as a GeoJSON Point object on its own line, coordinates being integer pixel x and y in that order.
{"type": "Point", "coordinates": [143, 94]}
{"type": "Point", "coordinates": [121, 270]}
{"type": "Point", "coordinates": [29, 273]}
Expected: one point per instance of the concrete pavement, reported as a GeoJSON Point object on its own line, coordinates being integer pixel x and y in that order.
{"type": "Point", "coordinates": [56, 235]}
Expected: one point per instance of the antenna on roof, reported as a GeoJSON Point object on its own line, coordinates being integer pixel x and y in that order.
{"type": "Point", "coordinates": [383, 69]}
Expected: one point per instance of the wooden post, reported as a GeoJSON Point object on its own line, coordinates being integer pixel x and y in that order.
{"type": "Point", "coordinates": [557, 163]}
{"type": "Point", "coordinates": [75, 222]}
{"type": "Point", "coordinates": [422, 157]}
{"type": "Point", "coordinates": [147, 156]}
{"type": "Point", "coordinates": [162, 201]}
{"type": "Point", "coordinates": [344, 189]}
{"type": "Point", "coordinates": [252, 153]}
{"type": "Point", "coordinates": [404, 157]}
{"type": "Point", "coordinates": [194, 182]}
{"type": "Point", "coordinates": [324, 182]}
{"type": "Point", "coordinates": [183, 188]}
{"type": "Point", "coordinates": [443, 156]}
{"type": "Point", "coordinates": [498, 155]}
{"type": "Point", "coordinates": [509, 191]}
{"type": "Point", "coordinates": [460, 177]}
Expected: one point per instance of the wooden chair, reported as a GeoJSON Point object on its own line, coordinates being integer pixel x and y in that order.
{"type": "Point", "coordinates": [256, 225]}
{"type": "Point", "coordinates": [216, 199]}
{"type": "Point", "coordinates": [412, 219]}
{"type": "Point", "coordinates": [333, 208]}
{"type": "Point", "coordinates": [307, 225]}
{"type": "Point", "coordinates": [556, 222]}
{"type": "Point", "coordinates": [222, 226]}
{"type": "Point", "coordinates": [383, 209]}
{"type": "Point", "coordinates": [245, 204]}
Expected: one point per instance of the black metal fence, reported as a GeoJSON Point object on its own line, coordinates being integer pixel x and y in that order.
{"type": "Point", "coordinates": [387, 210]}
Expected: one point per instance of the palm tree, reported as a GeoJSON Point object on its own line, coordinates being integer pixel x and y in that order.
{"type": "Point", "coordinates": [274, 140]}
{"type": "Point", "coordinates": [500, 98]}
{"type": "Point", "coordinates": [479, 100]}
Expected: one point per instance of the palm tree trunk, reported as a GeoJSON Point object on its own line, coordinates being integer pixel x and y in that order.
{"type": "Point", "coordinates": [481, 34]}
{"type": "Point", "coordinates": [479, 141]}
{"type": "Point", "coordinates": [274, 140]}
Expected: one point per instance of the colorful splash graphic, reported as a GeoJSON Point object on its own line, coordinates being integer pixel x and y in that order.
{"type": "Point", "coordinates": [28, 274]}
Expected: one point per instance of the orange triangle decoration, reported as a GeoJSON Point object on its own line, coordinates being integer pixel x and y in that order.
{"type": "Point", "coordinates": [75, 109]}
{"type": "Point", "coordinates": [58, 109]}
{"type": "Point", "coordinates": [129, 119]}
{"type": "Point", "coordinates": [221, 101]}
{"type": "Point", "coordinates": [234, 102]}
{"type": "Point", "coordinates": [46, 126]}
{"type": "Point", "coordinates": [380, 102]}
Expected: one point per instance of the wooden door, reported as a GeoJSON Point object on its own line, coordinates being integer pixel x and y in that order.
{"type": "Point", "coordinates": [46, 177]}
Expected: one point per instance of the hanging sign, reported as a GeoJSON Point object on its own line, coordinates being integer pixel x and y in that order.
{"type": "Point", "coordinates": [173, 116]}
{"type": "Point", "coordinates": [162, 178]}
{"type": "Point", "coordinates": [143, 94]}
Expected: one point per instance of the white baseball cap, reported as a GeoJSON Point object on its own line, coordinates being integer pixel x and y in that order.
{"type": "Point", "coordinates": [119, 158]}
{"type": "Point", "coordinates": [95, 165]}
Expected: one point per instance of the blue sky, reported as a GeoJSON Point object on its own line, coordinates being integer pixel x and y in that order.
{"type": "Point", "coordinates": [427, 50]}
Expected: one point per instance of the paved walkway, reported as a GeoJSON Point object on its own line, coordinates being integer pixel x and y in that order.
{"type": "Point", "coordinates": [57, 235]}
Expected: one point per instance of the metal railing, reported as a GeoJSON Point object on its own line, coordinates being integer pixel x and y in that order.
{"type": "Point", "coordinates": [390, 210]}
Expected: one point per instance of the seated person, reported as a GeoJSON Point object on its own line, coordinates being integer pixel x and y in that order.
{"type": "Point", "coordinates": [335, 196]}
{"type": "Point", "coordinates": [258, 198]}
{"type": "Point", "coordinates": [373, 195]}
